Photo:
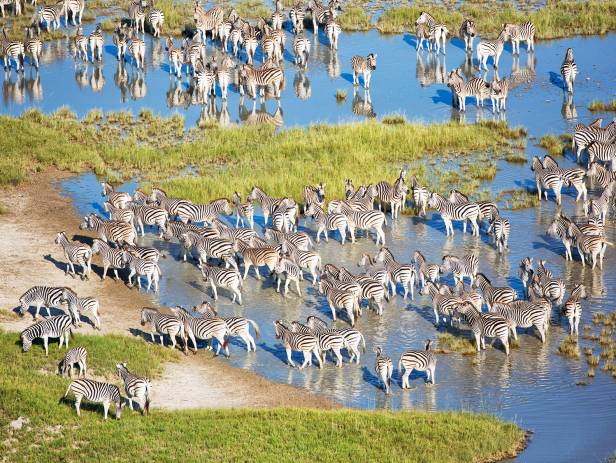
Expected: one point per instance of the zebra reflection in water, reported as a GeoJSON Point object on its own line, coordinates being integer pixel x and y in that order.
{"type": "Point", "coordinates": [362, 104]}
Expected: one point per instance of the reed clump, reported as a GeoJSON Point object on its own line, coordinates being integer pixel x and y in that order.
{"type": "Point", "coordinates": [569, 347]}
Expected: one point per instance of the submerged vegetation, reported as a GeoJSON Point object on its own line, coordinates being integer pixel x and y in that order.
{"type": "Point", "coordinates": [448, 343]}
{"type": "Point", "coordinates": [30, 387]}
{"type": "Point", "coordinates": [519, 198]}
{"type": "Point", "coordinates": [236, 158]}
{"type": "Point", "coordinates": [600, 106]}
{"type": "Point", "coordinates": [569, 347]}
{"type": "Point", "coordinates": [555, 146]}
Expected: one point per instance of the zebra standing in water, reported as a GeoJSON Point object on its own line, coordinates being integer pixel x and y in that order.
{"type": "Point", "coordinates": [461, 89]}
{"type": "Point", "coordinates": [97, 41]}
{"type": "Point", "coordinates": [438, 32]}
{"type": "Point", "coordinates": [110, 231]}
{"type": "Point", "coordinates": [384, 369]}
{"type": "Point", "coordinates": [524, 314]}
{"type": "Point", "coordinates": [573, 176]}
{"type": "Point", "coordinates": [226, 278]}
{"type": "Point", "coordinates": [420, 360]}
{"type": "Point", "coordinates": [176, 58]}
{"type": "Point", "coordinates": [243, 211]}
{"type": "Point", "coordinates": [80, 42]}
{"type": "Point", "coordinates": [547, 179]}
{"type": "Point", "coordinates": [80, 254]}
{"type": "Point", "coordinates": [75, 8]}
{"type": "Point", "coordinates": [520, 32]}
{"type": "Point", "coordinates": [76, 355]}
{"type": "Point", "coordinates": [332, 30]}
{"type": "Point", "coordinates": [399, 273]}
{"type": "Point", "coordinates": [261, 77]}
{"type": "Point", "coordinates": [136, 48]}
{"type": "Point", "coordinates": [572, 309]}
{"type": "Point", "coordinates": [490, 48]}
{"type": "Point", "coordinates": [468, 31]}
{"type": "Point", "coordinates": [365, 220]}
{"type": "Point", "coordinates": [111, 257]}
{"type": "Point", "coordinates": [325, 222]}
{"type": "Point", "coordinates": [136, 388]}
{"type": "Point", "coordinates": [545, 285]}
{"type": "Point", "coordinates": [421, 196]}
{"type": "Point", "coordinates": [120, 215]}
{"type": "Point", "coordinates": [365, 66]}
{"type": "Point", "coordinates": [526, 273]}
{"type": "Point", "coordinates": [292, 272]}
{"type": "Point", "coordinates": [320, 13]}
{"type": "Point", "coordinates": [52, 327]}
{"type": "Point", "coordinates": [308, 260]}
{"type": "Point", "coordinates": [136, 13]}
{"type": "Point", "coordinates": [500, 229]}
{"type": "Point", "coordinates": [352, 337]}
{"type": "Point", "coordinates": [149, 215]}
{"type": "Point", "coordinates": [208, 20]}
{"type": "Point", "coordinates": [238, 326]}
{"type": "Point", "coordinates": [482, 325]}
{"type": "Point", "coordinates": [156, 18]}
{"type": "Point", "coordinates": [327, 341]}
{"type": "Point", "coordinates": [587, 245]}
{"type": "Point", "coordinates": [296, 16]}
{"type": "Point", "coordinates": [585, 135]}
{"type": "Point", "coordinates": [41, 296]}
{"type": "Point", "coordinates": [427, 272]}
{"type": "Point", "coordinates": [50, 15]}
{"type": "Point", "coordinates": [493, 294]}
{"type": "Point", "coordinates": [224, 75]}
{"type": "Point", "coordinates": [306, 343]}
{"type": "Point", "coordinates": [467, 266]}
{"type": "Point", "coordinates": [568, 70]}
{"type": "Point", "coordinates": [450, 212]}
{"type": "Point", "coordinates": [95, 391]}
{"type": "Point", "coordinates": [164, 324]}
{"type": "Point", "coordinates": [78, 305]}
{"type": "Point", "coordinates": [33, 46]}
{"type": "Point", "coordinates": [301, 50]}
{"type": "Point", "coordinates": [140, 267]}
{"type": "Point", "coordinates": [340, 299]}
{"type": "Point", "coordinates": [12, 49]}
{"type": "Point", "coordinates": [119, 199]}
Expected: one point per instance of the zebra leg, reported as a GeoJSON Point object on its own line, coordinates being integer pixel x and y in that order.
{"type": "Point", "coordinates": [332, 308]}
{"type": "Point", "coordinates": [78, 404]}
{"type": "Point", "coordinates": [299, 291]}
{"type": "Point", "coordinates": [289, 359]}
{"type": "Point", "coordinates": [405, 379]}
{"type": "Point", "coordinates": [46, 345]}
{"type": "Point", "coordinates": [130, 402]}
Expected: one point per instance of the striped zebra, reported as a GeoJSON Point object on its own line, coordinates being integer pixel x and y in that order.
{"type": "Point", "coordinates": [404, 274]}
{"type": "Point", "coordinates": [277, 18]}
{"type": "Point", "coordinates": [494, 294]}
{"type": "Point", "coordinates": [568, 70]}
{"type": "Point", "coordinates": [224, 29]}
{"type": "Point", "coordinates": [427, 272]}
{"type": "Point", "coordinates": [500, 229]}
{"type": "Point", "coordinates": [52, 327]}
{"type": "Point", "coordinates": [499, 92]}
{"type": "Point", "coordinates": [217, 248]}
{"type": "Point", "coordinates": [374, 270]}
{"type": "Point", "coordinates": [485, 325]}
{"type": "Point", "coordinates": [600, 207]}
{"type": "Point", "coordinates": [365, 66]}
{"type": "Point", "coordinates": [394, 195]}
{"type": "Point", "coordinates": [605, 152]}
{"type": "Point", "coordinates": [243, 211]}
{"type": "Point", "coordinates": [349, 189]}
{"type": "Point", "coordinates": [602, 175]}
{"type": "Point", "coordinates": [450, 212]}
{"type": "Point", "coordinates": [261, 78]}
{"type": "Point", "coordinates": [384, 368]}
{"type": "Point", "coordinates": [308, 260]}
{"type": "Point", "coordinates": [150, 215]}
{"type": "Point", "coordinates": [156, 19]}
{"type": "Point", "coordinates": [420, 360]}
{"type": "Point", "coordinates": [443, 303]}
{"type": "Point", "coordinates": [268, 204]}
{"type": "Point", "coordinates": [421, 196]}
{"type": "Point", "coordinates": [238, 326]}
{"type": "Point", "coordinates": [136, 13]}
{"type": "Point", "coordinates": [332, 31]}
{"type": "Point", "coordinates": [593, 247]}
{"type": "Point", "coordinates": [353, 338]}
{"type": "Point", "coordinates": [245, 234]}
{"type": "Point", "coordinates": [204, 328]}
{"type": "Point", "coordinates": [585, 135]}
{"type": "Point", "coordinates": [207, 20]}
{"type": "Point", "coordinates": [468, 31]}
{"type": "Point", "coordinates": [228, 278]}
{"type": "Point", "coordinates": [12, 49]}
{"type": "Point", "coordinates": [237, 39]}
{"type": "Point", "coordinates": [291, 271]}
{"type": "Point", "coordinates": [33, 46]}
{"type": "Point", "coordinates": [526, 273]}
{"type": "Point", "coordinates": [301, 50]}
{"type": "Point", "coordinates": [144, 252]}
{"type": "Point", "coordinates": [41, 296]}
{"type": "Point", "coordinates": [136, 388]}
{"type": "Point", "coordinates": [139, 267]}
{"type": "Point", "coordinates": [256, 257]}
{"type": "Point", "coordinates": [520, 32]}
{"type": "Point", "coordinates": [340, 299]}
{"type": "Point", "coordinates": [117, 214]}
{"type": "Point", "coordinates": [136, 48]}
{"type": "Point", "coordinates": [572, 309]}
{"type": "Point", "coordinates": [75, 8]}
{"type": "Point", "coordinates": [466, 266]}
{"type": "Point", "coordinates": [80, 43]}
{"type": "Point", "coordinates": [571, 177]}
{"type": "Point", "coordinates": [50, 15]}
{"type": "Point", "coordinates": [300, 240]}
{"type": "Point", "coordinates": [325, 222]}
{"type": "Point", "coordinates": [306, 343]}
{"type": "Point", "coordinates": [177, 229]}
{"type": "Point", "coordinates": [80, 254]}
{"type": "Point", "coordinates": [461, 90]}
{"type": "Point", "coordinates": [270, 46]}
{"type": "Point", "coordinates": [437, 32]}
{"type": "Point", "coordinates": [119, 199]}
{"type": "Point", "coordinates": [95, 391]}
{"type": "Point", "coordinates": [523, 314]}
{"type": "Point", "coordinates": [545, 285]}
{"type": "Point", "coordinates": [78, 305]}
{"type": "Point", "coordinates": [328, 341]}
{"type": "Point", "coordinates": [164, 324]}
{"type": "Point", "coordinates": [296, 16]}
{"type": "Point", "coordinates": [321, 13]}
{"type": "Point", "coordinates": [365, 220]}
{"type": "Point", "coordinates": [96, 41]}
{"type": "Point", "coordinates": [175, 56]}
{"type": "Point", "coordinates": [194, 50]}
{"type": "Point", "coordinates": [547, 179]}
{"type": "Point", "coordinates": [76, 355]}
{"type": "Point", "coordinates": [285, 217]}
{"type": "Point", "coordinates": [422, 32]}
{"type": "Point", "coordinates": [110, 231]}
{"type": "Point", "coordinates": [205, 82]}
{"type": "Point", "coordinates": [490, 48]}
{"type": "Point", "coordinates": [251, 42]}
{"type": "Point", "coordinates": [372, 289]}
{"type": "Point", "coordinates": [224, 75]}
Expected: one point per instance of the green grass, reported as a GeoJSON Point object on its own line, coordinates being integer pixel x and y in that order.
{"type": "Point", "coordinates": [552, 144]}
{"type": "Point", "coordinates": [30, 388]}
{"type": "Point", "coordinates": [600, 106]}
{"type": "Point", "coordinates": [280, 161]}
{"type": "Point", "coordinates": [354, 18]}
{"type": "Point", "coordinates": [518, 198]}
{"type": "Point", "coordinates": [554, 20]}
{"type": "Point", "coordinates": [253, 9]}
{"type": "Point", "coordinates": [448, 343]}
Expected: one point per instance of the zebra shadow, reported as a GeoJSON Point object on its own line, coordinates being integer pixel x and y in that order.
{"type": "Point", "coordinates": [459, 43]}
{"type": "Point", "coordinates": [111, 50]}
{"type": "Point", "coordinates": [556, 80]}
{"type": "Point", "coordinates": [54, 311]}
{"type": "Point", "coordinates": [443, 96]}
{"type": "Point", "coordinates": [369, 377]}
{"type": "Point", "coordinates": [145, 336]}
{"type": "Point", "coordinates": [547, 246]}
{"type": "Point", "coordinates": [280, 353]}
{"type": "Point", "coordinates": [349, 77]}
{"type": "Point", "coordinates": [88, 406]}
{"type": "Point", "coordinates": [410, 40]}
{"type": "Point", "coordinates": [99, 209]}
{"type": "Point", "coordinates": [424, 311]}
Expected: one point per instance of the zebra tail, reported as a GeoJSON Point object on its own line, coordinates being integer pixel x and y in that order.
{"type": "Point", "coordinates": [256, 327]}
{"type": "Point", "coordinates": [400, 365]}
{"type": "Point", "coordinates": [609, 243]}
{"type": "Point", "coordinates": [68, 389]}
{"type": "Point", "coordinates": [363, 341]}
{"type": "Point", "coordinates": [387, 296]}
{"type": "Point", "coordinates": [146, 407]}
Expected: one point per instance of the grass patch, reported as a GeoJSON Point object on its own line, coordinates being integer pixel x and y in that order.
{"type": "Point", "coordinates": [552, 144]}
{"type": "Point", "coordinates": [354, 18]}
{"type": "Point", "coordinates": [30, 388]}
{"type": "Point", "coordinates": [341, 95]}
{"type": "Point", "coordinates": [252, 9]}
{"type": "Point", "coordinates": [394, 119]}
{"type": "Point", "coordinates": [593, 360]}
{"type": "Point", "coordinates": [448, 343]}
{"type": "Point", "coordinates": [518, 198]}
{"type": "Point", "coordinates": [569, 348]}
{"type": "Point", "coordinates": [600, 106]}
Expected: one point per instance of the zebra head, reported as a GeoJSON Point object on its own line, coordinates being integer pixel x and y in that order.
{"type": "Point", "coordinates": [423, 18]}
{"type": "Point", "coordinates": [278, 328]}
{"type": "Point", "coordinates": [371, 61]}
{"type": "Point", "coordinates": [428, 344]}
{"type": "Point", "coordinates": [26, 342]}
{"type": "Point", "coordinates": [60, 238]}
{"type": "Point", "coordinates": [86, 224]}
{"type": "Point", "coordinates": [206, 309]}
{"type": "Point", "coordinates": [469, 28]}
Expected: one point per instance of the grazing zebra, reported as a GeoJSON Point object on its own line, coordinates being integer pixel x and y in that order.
{"type": "Point", "coordinates": [291, 271]}
{"type": "Point", "coordinates": [75, 8]}
{"type": "Point", "coordinates": [523, 314]}
{"type": "Point", "coordinates": [33, 46]}
{"type": "Point", "coordinates": [490, 48]}
{"type": "Point", "coordinates": [340, 299]}
{"type": "Point", "coordinates": [494, 294]}
{"type": "Point", "coordinates": [41, 296]}
{"type": "Point", "coordinates": [499, 91]}
{"type": "Point", "coordinates": [12, 49]}
{"type": "Point", "coordinates": [80, 254]}
{"type": "Point", "coordinates": [603, 176]}
{"type": "Point", "coordinates": [306, 343]}
{"type": "Point", "coordinates": [571, 177]}
{"type": "Point", "coordinates": [468, 31]}
{"type": "Point", "coordinates": [365, 220]}
{"type": "Point", "coordinates": [228, 278]}
{"type": "Point", "coordinates": [136, 388]}
{"type": "Point", "coordinates": [420, 360]}
{"type": "Point", "coordinates": [140, 267]}
{"type": "Point", "coordinates": [296, 16]}
{"type": "Point", "coordinates": [333, 30]}
{"type": "Point", "coordinates": [238, 326]}
{"type": "Point", "coordinates": [467, 266]}
{"type": "Point", "coordinates": [572, 309]}
{"type": "Point", "coordinates": [545, 285]}
{"type": "Point", "coordinates": [164, 324]}
{"type": "Point", "coordinates": [52, 327]}
{"type": "Point", "coordinates": [519, 32]}
{"type": "Point", "coordinates": [95, 391]}
{"type": "Point", "coordinates": [156, 18]}
{"type": "Point", "coordinates": [119, 199]}
{"type": "Point", "coordinates": [76, 355]}
{"type": "Point", "coordinates": [568, 70]}
{"type": "Point", "coordinates": [325, 222]}
{"type": "Point", "coordinates": [120, 215]}
{"type": "Point", "coordinates": [97, 41]}
{"type": "Point", "coordinates": [136, 13]}
{"type": "Point", "coordinates": [256, 256]}
{"type": "Point", "coordinates": [80, 43]}
{"type": "Point", "coordinates": [399, 273]}
{"type": "Point", "coordinates": [585, 135]}
{"type": "Point", "coordinates": [547, 179]}
{"type": "Point", "coordinates": [352, 337]}
{"type": "Point", "coordinates": [591, 246]}
{"type": "Point", "coordinates": [427, 272]}
{"type": "Point", "coordinates": [176, 58]}
{"type": "Point", "coordinates": [110, 231]}
{"type": "Point", "coordinates": [438, 32]}
{"type": "Point", "coordinates": [384, 369]}
{"type": "Point", "coordinates": [420, 196]}
{"type": "Point", "coordinates": [204, 328]}
{"type": "Point", "coordinates": [365, 66]}
{"type": "Point", "coordinates": [261, 77]}
{"type": "Point", "coordinates": [327, 341]}
{"type": "Point", "coordinates": [301, 50]}
{"type": "Point", "coordinates": [450, 211]}
{"type": "Point", "coordinates": [208, 20]}
{"type": "Point", "coordinates": [150, 215]}
{"type": "Point", "coordinates": [300, 240]}
{"type": "Point", "coordinates": [78, 305]}
{"type": "Point", "coordinates": [482, 325]}
{"type": "Point", "coordinates": [500, 229]}
{"type": "Point", "coordinates": [136, 48]}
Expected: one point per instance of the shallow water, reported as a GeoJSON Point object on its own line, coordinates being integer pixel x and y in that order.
{"type": "Point", "coordinates": [534, 387]}
{"type": "Point", "coordinates": [405, 82]}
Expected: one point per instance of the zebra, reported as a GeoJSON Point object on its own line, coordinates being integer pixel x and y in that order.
{"type": "Point", "coordinates": [393, 194]}
{"type": "Point", "coordinates": [117, 214]}
{"type": "Point", "coordinates": [268, 204]}
{"type": "Point", "coordinates": [306, 343]}
{"type": "Point", "coordinates": [256, 256]}
{"type": "Point", "coordinates": [490, 48]}
{"type": "Point", "coordinates": [372, 289]}
{"type": "Point", "coordinates": [208, 20]}
{"type": "Point", "coordinates": [292, 272]}
{"type": "Point", "coordinates": [80, 43]}
{"type": "Point", "coordinates": [78, 305]}
{"type": "Point", "coordinates": [476, 87]}
{"type": "Point", "coordinates": [176, 58]}
{"type": "Point", "coordinates": [520, 32]}
{"type": "Point", "coordinates": [227, 278]}
{"type": "Point", "coordinates": [605, 152]}
{"type": "Point", "coordinates": [136, 13]}
{"type": "Point", "coordinates": [136, 48]}
{"type": "Point", "coordinates": [119, 40]}
{"type": "Point", "coordinates": [164, 324]}
{"type": "Point", "coordinates": [296, 16]}
{"type": "Point", "coordinates": [80, 254]}
{"type": "Point", "coordinates": [321, 13]}
{"type": "Point", "coordinates": [600, 207]}
{"type": "Point", "coordinates": [245, 234]}
{"type": "Point", "coordinates": [422, 32]}
{"type": "Point", "coordinates": [251, 41]}
{"type": "Point", "coordinates": [300, 240]}
{"type": "Point", "coordinates": [450, 211]}
{"type": "Point", "coordinates": [568, 70]}
{"type": "Point", "coordinates": [365, 220]}
{"type": "Point", "coordinates": [545, 285]}
{"type": "Point", "coordinates": [285, 216]}
{"type": "Point", "coordinates": [399, 273]}
{"type": "Point", "coordinates": [547, 179]}
{"type": "Point", "coordinates": [468, 31]}
{"type": "Point", "coordinates": [261, 77]}
{"type": "Point", "coordinates": [349, 189]}
{"type": "Point", "coordinates": [110, 231]}
{"type": "Point", "coordinates": [442, 302]}
{"type": "Point", "coordinates": [177, 229]}
{"type": "Point", "coordinates": [223, 75]}
{"type": "Point", "coordinates": [193, 52]}
{"type": "Point", "coordinates": [236, 37]}
{"type": "Point", "coordinates": [427, 272]}
{"type": "Point", "coordinates": [603, 176]}
{"type": "Point", "coordinates": [588, 245]}
{"type": "Point", "coordinates": [76, 355]}
{"type": "Point", "coordinates": [224, 29]}
{"type": "Point", "coordinates": [571, 177]}
{"type": "Point", "coordinates": [52, 327]}
{"type": "Point", "coordinates": [325, 222]}
{"type": "Point", "coordinates": [494, 294]}
{"type": "Point", "coordinates": [572, 309]}
{"type": "Point", "coordinates": [308, 260]}
{"type": "Point", "coordinates": [301, 50]}
{"type": "Point", "coordinates": [500, 228]}
{"type": "Point", "coordinates": [337, 298]}
{"type": "Point", "coordinates": [204, 328]}
{"type": "Point", "coordinates": [420, 196]}
{"type": "Point", "coordinates": [119, 199]}
{"type": "Point", "coordinates": [438, 32]}
{"type": "Point", "coordinates": [466, 266]}
{"type": "Point", "coordinates": [327, 341]}
{"type": "Point", "coordinates": [238, 326]}
{"type": "Point", "coordinates": [156, 18]}
{"type": "Point", "coordinates": [149, 215]}
{"type": "Point", "coordinates": [526, 272]}
{"type": "Point", "coordinates": [383, 368]}
{"type": "Point", "coordinates": [144, 252]}
{"type": "Point", "coordinates": [97, 41]}
{"type": "Point", "coordinates": [420, 360]}
{"type": "Point", "coordinates": [33, 46]}
{"type": "Point", "coordinates": [482, 325]}
{"type": "Point", "coordinates": [12, 49]}
{"type": "Point", "coordinates": [333, 30]}
{"type": "Point", "coordinates": [559, 229]}
{"type": "Point", "coordinates": [353, 338]}
{"type": "Point", "coordinates": [50, 15]}
{"type": "Point", "coordinates": [140, 267]}
{"type": "Point", "coordinates": [75, 8]}
{"type": "Point", "coordinates": [205, 82]}
{"type": "Point", "coordinates": [270, 46]}
{"type": "Point", "coordinates": [499, 91]}
{"type": "Point", "coordinates": [136, 388]}
{"type": "Point", "coordinates": [523, 314]}
{"type": "Point", "coordinates": [41, 296]}
{"type": "Point", "coordinates": [95, 391]}
{"type": "Point", "coordinates": [585, 135]}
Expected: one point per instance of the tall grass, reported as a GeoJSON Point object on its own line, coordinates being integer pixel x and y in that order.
{"type": "Point", "coordinates": [600, 106]}
{"type": "Point", "coordinates": [354, 18]}
{"type": "Point", "coordinates": [30, 388]}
